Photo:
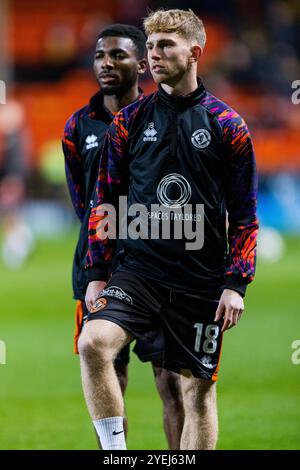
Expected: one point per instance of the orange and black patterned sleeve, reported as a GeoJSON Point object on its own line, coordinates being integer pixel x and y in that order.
{"type": "Point", "coordinates": [112, 182]}
{"type": "Point", "coordinates": [241, 202]}
{"type": "Point", "coordinates": [74, 167]}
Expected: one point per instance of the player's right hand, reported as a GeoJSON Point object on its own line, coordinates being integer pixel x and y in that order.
{"type": "Point", "coordinates": [92, 292]}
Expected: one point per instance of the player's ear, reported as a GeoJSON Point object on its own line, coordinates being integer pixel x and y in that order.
{"type": "Point", "coordinates": [196, 53]}
{"type": "Point", "coordinates": [142, 66]}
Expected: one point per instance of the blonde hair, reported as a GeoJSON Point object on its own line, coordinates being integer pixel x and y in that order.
{"type": "Point", "coordinates": [183, 22]}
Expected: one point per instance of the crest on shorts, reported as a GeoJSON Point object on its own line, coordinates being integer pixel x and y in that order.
{"type": "Point", "coordinates": [100, 304]}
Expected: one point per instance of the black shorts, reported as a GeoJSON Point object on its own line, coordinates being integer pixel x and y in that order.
{"type": "Point", "coordinates": [145, 350]}
{"type": "Point", "coordinates": [151, 350]}
{"type": "Point", "coordinates": [191, 338]}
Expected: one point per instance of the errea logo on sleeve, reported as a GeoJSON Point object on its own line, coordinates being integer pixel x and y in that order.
{"type": "Point", "coordinates": [91, 141]}
{"type": "Point", "coordinates": [150, 133]}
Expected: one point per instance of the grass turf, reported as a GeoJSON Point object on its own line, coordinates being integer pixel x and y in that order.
{"type": "Point", "coordinates": [41, 403]}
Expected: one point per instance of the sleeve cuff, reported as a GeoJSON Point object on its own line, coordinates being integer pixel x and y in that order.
{"type": "Point", "coordinates": [236, 283]}
{"type": "Point", "coordinates": [97, 273]}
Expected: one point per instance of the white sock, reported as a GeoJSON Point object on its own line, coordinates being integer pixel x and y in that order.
{"type": "Point", "coordinates": [111, 433]}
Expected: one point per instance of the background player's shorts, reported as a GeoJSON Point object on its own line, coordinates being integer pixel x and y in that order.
{"type": "Point", "coordinates": [192, 339]}
{"type": "Point", "coordinates": [152, 350]}
{"type": "Point", "coordinates": [145, 350]}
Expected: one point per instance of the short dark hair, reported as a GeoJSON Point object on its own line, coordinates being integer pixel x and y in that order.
{"type": "Point", "coordinates": [127, 31]}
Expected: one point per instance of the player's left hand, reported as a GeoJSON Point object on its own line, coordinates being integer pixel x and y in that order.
{"type": "Point", "coordinates": [231, 307]}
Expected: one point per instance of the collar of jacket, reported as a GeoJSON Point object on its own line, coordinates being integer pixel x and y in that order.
{"type": "Point", "coordinates": [181, 102]}
{"type": "Point", "coordinates": [99, 111]}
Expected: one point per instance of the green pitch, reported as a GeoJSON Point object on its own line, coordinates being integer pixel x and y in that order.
{"type": "Point", "coordinates": [41, 404]}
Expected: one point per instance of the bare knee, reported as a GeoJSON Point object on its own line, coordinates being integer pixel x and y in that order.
{"type": "Point", "coordinates": [198, 395]}
{"type": "Point", "coordinates": [95, 344]}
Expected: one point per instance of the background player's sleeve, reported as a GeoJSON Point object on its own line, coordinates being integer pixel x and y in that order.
{"type": "Point", "coordinates": [74, 167]}
{"type": "Point", "coordinates": [241, 201]}
{"type": "Point", "coordinates": [111, 183]}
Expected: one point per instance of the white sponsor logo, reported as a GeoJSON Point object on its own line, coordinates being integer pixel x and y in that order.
{"type": "Point", "coordinates": [201, 138]}
{"type": "Point", "coordinates": [91, 141]}
{"type": "Point", "coordinates": [178, 184]}
{"type": "Point", "coordinates": [117, 293]}
{"type": "Point", "coordinates": [150, 133]}
{"type": "Point", "coordinates": [206, 362]}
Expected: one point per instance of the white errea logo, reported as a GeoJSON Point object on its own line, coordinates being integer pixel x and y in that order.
{"type": "Point", "coordinates": [201, 138]}
{"type": "Point", "coordinates": [91, 141]}
{"type": "Point", "coordinates": [150, 133]}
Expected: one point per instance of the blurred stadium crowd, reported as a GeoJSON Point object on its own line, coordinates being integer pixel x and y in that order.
{"type": "Point", "coordinates": [251, 60]}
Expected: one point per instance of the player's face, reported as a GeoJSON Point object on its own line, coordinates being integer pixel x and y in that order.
{"type": "Point", "coordinates": [116, 65]}
{"type": "Point", "coordinates": [169, 57]}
